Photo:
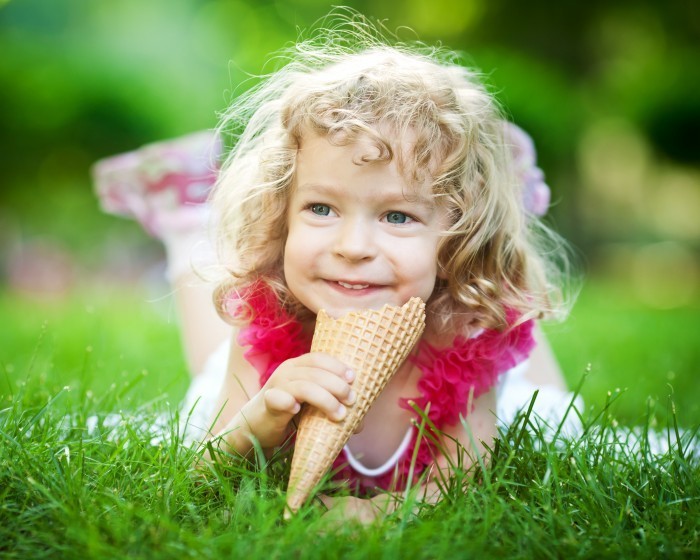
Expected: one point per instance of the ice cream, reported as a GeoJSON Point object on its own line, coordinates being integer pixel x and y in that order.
{"type": "Point", "coordinates": [374, 343]}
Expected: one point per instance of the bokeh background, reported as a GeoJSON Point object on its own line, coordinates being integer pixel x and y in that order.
{"type": "Point", "coordinates": [610, 91]}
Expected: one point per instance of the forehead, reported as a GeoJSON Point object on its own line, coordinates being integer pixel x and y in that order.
{"type": "Point", "coordinates": [328, 158]}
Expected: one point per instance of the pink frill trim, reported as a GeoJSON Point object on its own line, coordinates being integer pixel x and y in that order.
{"type": "Point", "coordinates": [451, 377]}
{"type": "Point", "coordinates": [272, 336]}
{"type": "Point", "coordinates": [471, 367]}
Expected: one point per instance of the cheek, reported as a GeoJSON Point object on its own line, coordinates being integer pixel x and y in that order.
{"type": "Point", "coordinates": [290, 255]}
{"type": "Point", "coordinates": [421, 266]}
{"type": "Point", "coordinates": [433, 270]}
{"type": "Point", "coordinates": [295, 241]}
{"type": "Point", "coordinates": [298, 251]}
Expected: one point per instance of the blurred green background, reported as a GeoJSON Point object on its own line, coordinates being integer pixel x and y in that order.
{"type": "Point", "coordinates": [609, 91]}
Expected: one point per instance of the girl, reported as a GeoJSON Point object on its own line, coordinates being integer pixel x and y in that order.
{"type": "Point", "coordinates": [365, 174]}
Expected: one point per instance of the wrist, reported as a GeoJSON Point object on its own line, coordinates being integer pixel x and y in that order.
{"type": "Point", "coordinates": [253, 424]}
{"type": "Point", "coordinates": [233, 439]}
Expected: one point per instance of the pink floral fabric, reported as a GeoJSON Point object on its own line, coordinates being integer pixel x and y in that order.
{"type": "Point", "coordinates": [161, 185]}
{"type": "Point", "coordinates": [535, 191]}
{"type": "Point", "coordinates": [450, 377]}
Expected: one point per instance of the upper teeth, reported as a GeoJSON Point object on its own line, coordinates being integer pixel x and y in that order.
{"type": "Point", "coordinates": [354, 286]}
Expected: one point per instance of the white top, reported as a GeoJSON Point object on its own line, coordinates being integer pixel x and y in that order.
{"type": "Point", "coordinates": [386, 467]}
{"type": "Point", "coordinates": [515, 373]}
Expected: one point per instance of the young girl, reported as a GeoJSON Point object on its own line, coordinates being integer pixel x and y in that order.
{"type": "Point", "coordinates": [365, 175]}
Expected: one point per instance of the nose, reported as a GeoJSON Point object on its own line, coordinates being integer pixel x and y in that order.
{"type": "Point", "coordinates": [355, 240]}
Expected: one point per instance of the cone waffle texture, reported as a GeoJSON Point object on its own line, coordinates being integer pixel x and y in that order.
{"type": "Point", "coordinates": [374, 343]}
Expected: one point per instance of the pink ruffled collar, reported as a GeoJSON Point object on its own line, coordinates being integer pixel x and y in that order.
{"type": "Point", "coordinates": [272, 335]}
{"type": "Point", "coordinates": [450, 376]}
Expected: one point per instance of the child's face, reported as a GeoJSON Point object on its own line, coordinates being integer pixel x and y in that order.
{"type": "Point", "coordinates": [354, 239]}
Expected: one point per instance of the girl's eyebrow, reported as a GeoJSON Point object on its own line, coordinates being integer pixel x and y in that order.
{"type": "Point", "coordinates": [395, 196]}
{"type": "Point", "coordinates": [317, 188]}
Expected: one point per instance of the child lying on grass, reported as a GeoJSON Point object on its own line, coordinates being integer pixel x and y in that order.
{"type": "Point", "coordinates": [367, 173]}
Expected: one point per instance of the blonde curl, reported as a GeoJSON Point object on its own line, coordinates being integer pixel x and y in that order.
{"type": "Point", "coordinates": [349, 80]}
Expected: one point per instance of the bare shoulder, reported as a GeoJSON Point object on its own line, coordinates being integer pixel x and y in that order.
{"type": "Point", "coordinates": [240, 370]}
{"type": "Point", "coordinates": [543, 367]}
{"type": "Point", "coordinates": [477, 428]}
{"type": "Point", "coordinates": [241, 384]}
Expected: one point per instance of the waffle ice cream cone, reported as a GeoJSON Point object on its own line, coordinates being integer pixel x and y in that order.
{"type": "Point", "coordinates": [374, 343]}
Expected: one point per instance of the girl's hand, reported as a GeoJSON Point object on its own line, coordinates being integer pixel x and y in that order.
{"type": "Point", "coordinates": [362, 511]}
{"type": "Point", "coordinates": [314, 378]}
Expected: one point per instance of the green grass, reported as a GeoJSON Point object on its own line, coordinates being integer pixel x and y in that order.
{"type": "Point", "coordinates": [66, 491]}
{"type": "Point", "coordinates": [112, 493]}
{"type": "Point", "coordinates": [100, 339]}
{"type": "Point", "coordinates": [620, 344]}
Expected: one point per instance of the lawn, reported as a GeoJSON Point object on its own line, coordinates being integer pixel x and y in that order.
{"type": "Point", "coordinates": [72, 489]}
{"type": "Point", "coordinates": [112, 336]}
{"type": "Point", "coordinates": [652, 356]}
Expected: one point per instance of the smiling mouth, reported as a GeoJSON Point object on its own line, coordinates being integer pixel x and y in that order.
{"type": "Point", "coordinates": [349, 286]}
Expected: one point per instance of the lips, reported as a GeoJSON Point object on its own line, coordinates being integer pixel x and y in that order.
{"type": "Point", "coordinates": [346, 295]}
{"type": "Point", "coordinates": [357, 287]}
{"type": "Point", "coordinates": [351, 286]}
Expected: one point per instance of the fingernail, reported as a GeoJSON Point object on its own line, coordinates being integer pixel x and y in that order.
{"type": "Point", "coordinates": [351, 397]}
{"type": "Point", "coordinates": [349, 375]}
{"type": "Point", "coordinates": [340, 412]}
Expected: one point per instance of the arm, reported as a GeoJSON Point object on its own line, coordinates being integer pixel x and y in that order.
{"type": "Point", "coordinates": [544, 368]}
{"type": "Point", "coordinates": [248, 412]}
{"type": "Point", "coordinates": [481, 423]}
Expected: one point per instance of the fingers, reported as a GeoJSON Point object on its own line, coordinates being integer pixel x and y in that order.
{"type": "Point", "coordinates": [277, 400]}
{"type": "Point", "coordinates": [317, 396]}
{"type": "Point", "coordinates": [288, 397]}
{"type": "Point", "coordinates": [317, 379]}
{"type": "Point", "coordinates": [318, 360]}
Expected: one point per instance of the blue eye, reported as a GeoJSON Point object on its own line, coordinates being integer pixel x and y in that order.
{"type": "Point", "coordinates": [397, 218]}
{"type": "Point", "coordinates": [320, 209]}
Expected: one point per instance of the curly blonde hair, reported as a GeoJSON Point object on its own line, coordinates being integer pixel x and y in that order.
{"type": "Point", "coordinates": [347, 81]}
